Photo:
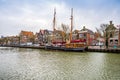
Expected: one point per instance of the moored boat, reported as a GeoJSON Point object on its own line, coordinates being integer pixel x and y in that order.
{"type": "Point", "coordinates": [74, 45]}
{"type": "Point", "coordinates": [70, 45]}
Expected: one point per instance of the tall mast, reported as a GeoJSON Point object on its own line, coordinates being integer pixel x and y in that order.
{"type": "Point", "coordinates": [54, 19]}
{"type": "Point", "coordinates": [71, 24]}
{"type": "Point", "coordinates": [54, 23]}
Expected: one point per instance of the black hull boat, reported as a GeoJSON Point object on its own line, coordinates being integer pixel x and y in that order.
{"type": "Point", "coordinates": [74, 49]}
{"type": "Point", "coordinates": [54, 47]}
{"type": "Point", "coordinates": [65, 48]}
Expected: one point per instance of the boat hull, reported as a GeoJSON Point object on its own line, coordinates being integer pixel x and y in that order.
{"type": "Point", "coordinates": [74, 49]}
{"type": "Point", "coordinates": [64, 48]}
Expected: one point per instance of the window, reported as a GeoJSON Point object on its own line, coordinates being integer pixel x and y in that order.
{"type": "Point", "coordinates": [116, 41]}
{"type": "Point", "coordinates": [111, 41]}
{"type": "Point", "coordinates": [82, 35]}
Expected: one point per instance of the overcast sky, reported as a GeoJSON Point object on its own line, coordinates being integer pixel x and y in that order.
{"type": "Point", "coordinates": [33, 15]}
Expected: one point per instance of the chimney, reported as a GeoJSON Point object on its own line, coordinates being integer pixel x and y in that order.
{"type": "Point", "coordinates": [110, 22]}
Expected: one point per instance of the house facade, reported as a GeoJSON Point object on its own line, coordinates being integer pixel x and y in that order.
{"type": "Point", "coordinates": [44, 36]}
{"type": "Point", "coordinates": [84, 35]}
{"type": "Point", "coordinates": [26, 37]}
{"type": "Point", "coordinates": [87, 35]}
{"type": "Point", "coordinates": [114, 41]}
{"type": "Point", "coordinates": [10, 40]}
{"type": "Point", "coordinates": [58, 37]}
{"type": "Point", "coordinates": [112, 36]}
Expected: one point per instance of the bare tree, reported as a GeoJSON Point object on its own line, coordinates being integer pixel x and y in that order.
{"type": "Point", "coordinates": [98, 30]}
{"type": "Point", "coordinates": [65, 28]}
{"type": "Point", "coordinates": [104, 33]}
{"type": "Point", "coordinates": [102, 29]}
{"type": "Point", "coordinates": [65, 31]}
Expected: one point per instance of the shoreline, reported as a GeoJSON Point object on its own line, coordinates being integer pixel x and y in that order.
{"type": "Point", "coordinates": [87, 50]}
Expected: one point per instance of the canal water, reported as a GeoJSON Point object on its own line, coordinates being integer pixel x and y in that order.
{"type": "Point", "coordinates": [35, 64]}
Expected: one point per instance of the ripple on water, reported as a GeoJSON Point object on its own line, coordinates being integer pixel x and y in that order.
{"type": "Point", "coordinates": [32, 64]}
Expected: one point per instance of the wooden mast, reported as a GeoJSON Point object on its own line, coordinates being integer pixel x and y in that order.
{"type": "Point", "coordinates": [71, 24]}
{"type": "Point", "coordinates": [54, 19]}
{"type": "Point", "coordinates": [54, 23]}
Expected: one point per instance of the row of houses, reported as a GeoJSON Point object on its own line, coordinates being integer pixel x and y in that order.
{"type": "Point", "coordinates": [43, 37]}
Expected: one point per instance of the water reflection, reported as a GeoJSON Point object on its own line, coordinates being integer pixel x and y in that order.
{"type": "Point", "coordinates": [28, 64]}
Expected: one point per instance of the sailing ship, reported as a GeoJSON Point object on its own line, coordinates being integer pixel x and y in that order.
{"type": "Point", "coordinates": [70, 45]}
{"type": "Point", "coordinates": [74, 45]}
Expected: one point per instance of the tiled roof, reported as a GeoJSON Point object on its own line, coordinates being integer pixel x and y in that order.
{"type": "Point", "coordinates": [88, 30]}
{"type": "Point", "coordinates": [27, 33]}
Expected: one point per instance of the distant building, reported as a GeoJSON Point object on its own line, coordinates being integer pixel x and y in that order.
{"type": "Point", "coordinates": [114, 40]}
{"type": "Point", "coordinates": [84, 35]}
{"type": "Point", "coordinates": [58, 37]}
{"type": "Point", "coordinates": [36, 40]}
{"type": "Point", "coordinates": [10, 40]}
{"type": "Point", "coordinates": [87, 35]}
{"type": "Point", "coordinates": [112, 35]}
{"type": "Point", "coordinates": [14, 40]}
{"type": "Point", "coordinates": [26, 37]}
{"type": "Point", "coordinates": [44, 36]}
{"type": "Point", "coordinates": [110, 30]}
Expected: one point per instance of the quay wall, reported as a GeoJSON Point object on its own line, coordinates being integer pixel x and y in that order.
{"type": "Point", "coordinates": [103, 49]}
{"type": "Point", "coordinates": [90, 48]}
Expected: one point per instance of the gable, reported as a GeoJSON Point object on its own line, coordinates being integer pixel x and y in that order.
{"type": "Point", "coordinates": [110, 27]}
